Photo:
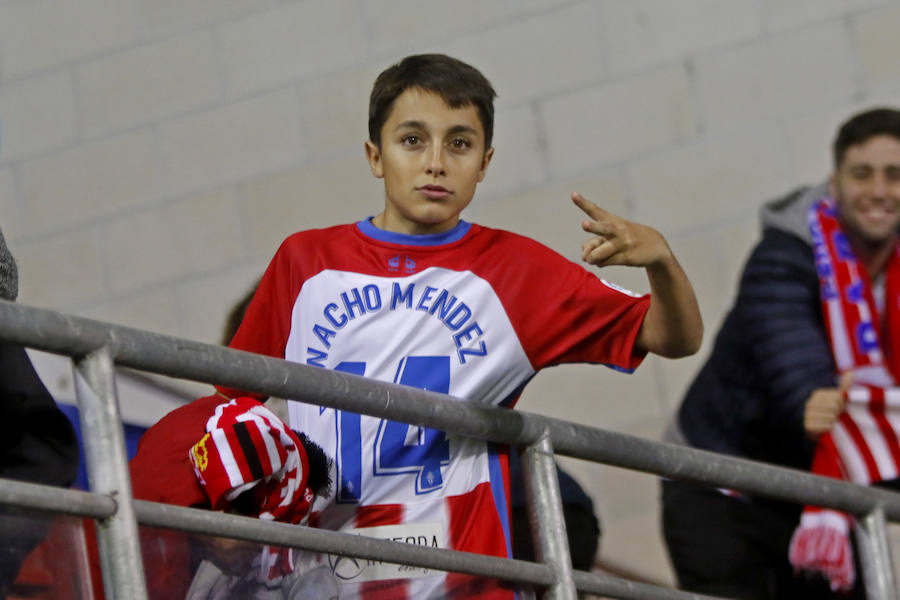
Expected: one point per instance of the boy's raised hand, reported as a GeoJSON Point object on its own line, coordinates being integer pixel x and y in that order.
{"type": "Point", "coordinates": [617, 241]}
{"type": "Point", "coordinates": [672, 326]}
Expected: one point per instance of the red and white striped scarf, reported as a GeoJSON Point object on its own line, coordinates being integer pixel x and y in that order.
{"type": "Point", "coordinates": [248, 449]}
{"type": "Point", "coordinates": [863, 447]}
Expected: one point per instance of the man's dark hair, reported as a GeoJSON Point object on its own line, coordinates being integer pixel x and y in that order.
{"type": "Point", "coordinates": [864, 126]}
{"type": "Point", "coordinates": [457, 83]}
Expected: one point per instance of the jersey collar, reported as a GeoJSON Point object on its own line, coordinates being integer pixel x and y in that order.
{"type": "Point", "coordinates": [404, 239]}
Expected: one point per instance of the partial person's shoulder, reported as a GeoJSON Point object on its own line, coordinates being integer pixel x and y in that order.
{"type": "Point", "coordinates": [780, 258]}
{"type": "Point", "coordinates": [501, 239]}
{"type": "Point", "coordinates": [789, 213]}
{"type": "Point", "coordinates": [161, 470]}
{"type": "Point", "coordinates": [188, 420]}
{"type": "Point", "coordinates": [502, 250]}
{"type": "Point", "coordinates": [785, 242]}
{"type": "Point", "coordinates": [307, 236]}
{"type": "Point", "coordinates": [777, 243]}
{"type": "Point", "coordinates": [298, 246]}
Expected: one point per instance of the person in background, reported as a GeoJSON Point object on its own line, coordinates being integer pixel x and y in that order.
{"type": "Point", "coordinates": [815, 323]}
{"type": "Point", "coordinates": [242, 460]}
{"type": "Point", "coordinates": [37, 441]}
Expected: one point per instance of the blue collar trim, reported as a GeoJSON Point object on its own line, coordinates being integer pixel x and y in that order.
{"type": "Point", "coordinates": [404, 239]}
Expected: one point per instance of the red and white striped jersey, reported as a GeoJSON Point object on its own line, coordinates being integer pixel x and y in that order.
{"type": "Point", "coordinates": [474, 313]}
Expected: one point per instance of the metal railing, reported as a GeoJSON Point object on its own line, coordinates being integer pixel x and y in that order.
{"type": "Point", "coordinates": [95, 347]}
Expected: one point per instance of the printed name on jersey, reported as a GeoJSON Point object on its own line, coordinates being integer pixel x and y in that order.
{"type": "Point", "coordinates": [369, 299]}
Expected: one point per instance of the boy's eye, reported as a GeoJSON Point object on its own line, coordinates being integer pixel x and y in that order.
{"type": "Point", "coordinates": [459, 143]}
{"type": "Point", "coordinates": [411, 140]}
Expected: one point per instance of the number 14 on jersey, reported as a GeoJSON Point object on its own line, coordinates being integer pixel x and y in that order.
{"type": "Point", "coordinates": [399, 448]}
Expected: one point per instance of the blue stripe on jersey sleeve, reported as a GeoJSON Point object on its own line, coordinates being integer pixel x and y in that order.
{"type": "Point", "coordinates": [430, 239]}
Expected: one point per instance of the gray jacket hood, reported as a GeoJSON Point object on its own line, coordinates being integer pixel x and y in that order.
{"type": "Point", "coordinates": [788, 213]}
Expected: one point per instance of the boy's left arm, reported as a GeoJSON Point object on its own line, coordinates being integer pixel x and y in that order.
{"type": "Point", "coordinates": [673, 326]}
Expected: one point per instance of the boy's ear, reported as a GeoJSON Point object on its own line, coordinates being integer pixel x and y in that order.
{"type": "Point", "coordinates": [373, 155]}
{"type": "Point", "coordinates": [484, 163]}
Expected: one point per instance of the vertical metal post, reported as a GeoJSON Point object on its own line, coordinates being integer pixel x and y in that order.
{"type": "Point", "coordinates": [107, 465]}
{"type": "Point", "coordinates": [875, 556]}
{"type": "Point", "coordinates": [545, 516]}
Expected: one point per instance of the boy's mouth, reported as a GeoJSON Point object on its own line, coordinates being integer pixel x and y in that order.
{"type": "Point", "coordinates": [434, 192]}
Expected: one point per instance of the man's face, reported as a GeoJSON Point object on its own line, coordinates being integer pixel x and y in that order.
{"type": "Point", "coordinates": [431, 159]}
{"type": "Point", "coordinates": [866, 187]}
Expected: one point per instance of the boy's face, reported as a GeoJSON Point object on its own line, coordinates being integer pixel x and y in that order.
{"type": "Point", "coordinates": [431, 159]}
{"type": "Point", "coordinates": [866, 187]}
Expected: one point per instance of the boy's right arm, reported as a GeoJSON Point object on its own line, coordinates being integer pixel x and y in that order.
{"type": "Point", "coordinates": [673, 326]}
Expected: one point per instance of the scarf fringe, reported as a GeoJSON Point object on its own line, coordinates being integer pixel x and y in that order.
{"type": "Point", "coordinates": [822, 544]}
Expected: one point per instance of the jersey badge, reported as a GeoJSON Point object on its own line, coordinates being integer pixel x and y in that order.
{"type": "Point", "coordinates": [396, 262]}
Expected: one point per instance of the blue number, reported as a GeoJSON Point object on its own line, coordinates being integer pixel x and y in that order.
{"type": "Point", "coordinates": [399, 447]}
{"type": "Point", "coordinates": [349, 437]}
{"type": "Point", "coordinates": [404, 448]}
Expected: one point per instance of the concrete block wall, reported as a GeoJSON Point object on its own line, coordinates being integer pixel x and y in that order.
{"type": "Point", "coordinates": [153, 153]}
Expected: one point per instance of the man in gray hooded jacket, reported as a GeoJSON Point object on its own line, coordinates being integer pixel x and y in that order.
{"type": "Point", "coordinates": [769, 387]}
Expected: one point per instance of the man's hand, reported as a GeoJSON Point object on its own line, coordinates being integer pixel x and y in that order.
{"type": "Point", "coordinates": [825, 406]}
{"type": "Point", "coordinates": [617, 241]}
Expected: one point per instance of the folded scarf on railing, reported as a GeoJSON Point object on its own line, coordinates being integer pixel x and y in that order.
{"type": "Point", "coordinates": [251, 462]}
{"type": "Point", "coordinates": [862, 447]}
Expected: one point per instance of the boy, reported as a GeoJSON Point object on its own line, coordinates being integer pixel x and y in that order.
{"type": "Point", "coordinates": [417, 296]}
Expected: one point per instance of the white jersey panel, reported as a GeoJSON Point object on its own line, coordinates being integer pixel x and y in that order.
{"type": "Point", "coordinates": [440, 330]}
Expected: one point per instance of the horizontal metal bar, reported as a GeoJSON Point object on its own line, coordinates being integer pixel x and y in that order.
{"type": "Point", "coordinates": [615, 587]}
{"type": "Point", "coordinates": [66, 334]}
{"type": "Point", "coordinates": [721, 471]}
{"type": "Point", "coordinates": [342, 544]}
{"type": "Point", "coordinates": [47, 499]}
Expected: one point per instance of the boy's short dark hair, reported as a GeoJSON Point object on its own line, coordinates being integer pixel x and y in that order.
{"type": "Point", "coordinates": [456, 82]}
{"type": "Point", "coordinates": [863, 126]}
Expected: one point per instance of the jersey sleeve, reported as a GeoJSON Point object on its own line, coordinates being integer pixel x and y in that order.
{"type": "Point", "coordinates": [570, 315]}
{"type": "Point", "coordinates": [266, 324]}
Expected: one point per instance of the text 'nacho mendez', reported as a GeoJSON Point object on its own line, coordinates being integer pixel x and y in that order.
{"type": "Point", "coordinates": [358, 302]}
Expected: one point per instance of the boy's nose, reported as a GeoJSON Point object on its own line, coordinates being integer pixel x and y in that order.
{"type": "Point", "coordinates": [436, 163]}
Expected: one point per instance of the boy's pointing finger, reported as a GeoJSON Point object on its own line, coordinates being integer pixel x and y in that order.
{"type": "Point", "coordinates": [591, 209]}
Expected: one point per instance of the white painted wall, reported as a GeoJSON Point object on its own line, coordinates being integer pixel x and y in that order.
{"type": "Point", "coordinates": [155, 152]}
